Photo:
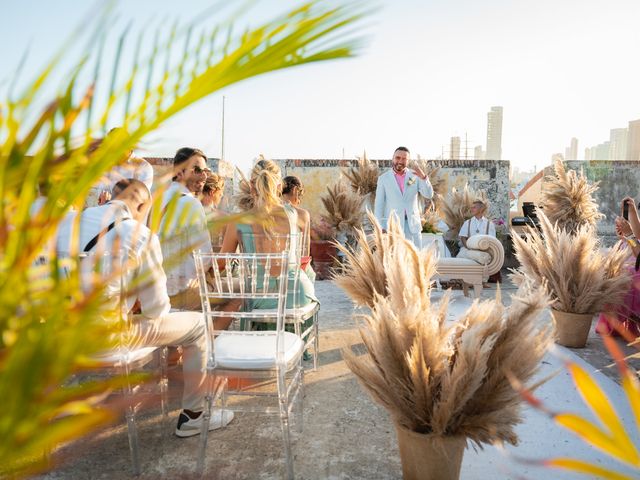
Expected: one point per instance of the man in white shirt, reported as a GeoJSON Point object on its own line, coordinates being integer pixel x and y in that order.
{"type": "Point", "coordinates": [183, 228]}
{"type": "Point", "coordinates": [477, 224]}
{"type": "Point", "coordinates": [397, 192]}
{"type": "Point", "coordinates": [118, 224]}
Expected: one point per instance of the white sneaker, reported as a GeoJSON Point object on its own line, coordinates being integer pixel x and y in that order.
{"type": "Point", "coordinates": [188, 427]}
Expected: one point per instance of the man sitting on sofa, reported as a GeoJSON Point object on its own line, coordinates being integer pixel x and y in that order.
{"type": "Point", "coordinates": [478, 224]}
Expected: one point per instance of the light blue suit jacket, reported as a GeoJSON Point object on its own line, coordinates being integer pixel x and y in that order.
{"type": "Point", "coordinates": [389, 199]}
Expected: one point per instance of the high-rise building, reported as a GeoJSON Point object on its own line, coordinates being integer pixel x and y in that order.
{"type": "Point", "coordinates": [478, 153]}
{"type": "Point", "coordinates": [454, 148]}
{"type": "Point", "coordinates": [633, 140]}
{"type": "Point", "coordinates": [494, 134]}
{"type": "Point", "coordinates": [571, 152]}
{"type": "Point", "coordinates": [618, 144]}
{"type": "Point", "coordinates": [601, 151]}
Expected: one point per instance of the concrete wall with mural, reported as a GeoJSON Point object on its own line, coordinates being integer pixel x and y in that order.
{"type": "Point", "coordinates": [489, 175]}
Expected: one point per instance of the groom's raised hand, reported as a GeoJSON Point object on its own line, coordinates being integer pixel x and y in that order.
{"type": "Point", "coordinates": [419, 173]}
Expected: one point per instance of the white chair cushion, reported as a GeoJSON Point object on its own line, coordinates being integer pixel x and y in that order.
{"type": "Point", "coordinates": [255, 350]}
{"type": "Point", "coordinates": [114, 357]}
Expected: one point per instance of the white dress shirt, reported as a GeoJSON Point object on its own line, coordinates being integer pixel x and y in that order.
{"type": "Point", "coordinates": [183, 229]}
{"type": "Point", "coordinates": [475, 226]}
{"type": "Point", "coordinates": [131, 236]}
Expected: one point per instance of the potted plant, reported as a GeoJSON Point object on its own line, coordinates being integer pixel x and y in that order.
{"type": "Point", "coordinates": [566, 255]}
{"type": "Point", "coordinates": [580, 278]}
{"type": "Point", "coordinates": [322, 248]}
{"type": "Point", "coordinates": [430, 233]}
{"type": "Point", "coordinates": [442, 383]}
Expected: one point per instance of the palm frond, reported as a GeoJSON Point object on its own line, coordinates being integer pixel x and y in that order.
{"type": "Point", "coordinates": [49, 325]}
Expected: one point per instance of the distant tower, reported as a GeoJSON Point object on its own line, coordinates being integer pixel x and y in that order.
{"type": "Point", "coordinates": [618, 144]}
{"type": "Point", "coordinates": [455, 148]}
{"type": "Point", "coordinates": [478, 153]}
{"type": "Point", "coordinates": [633, 140]}
{"type": "Point", "coordinates": [494, 134]}
{"type": "Point", "coordinates": [571, 152]}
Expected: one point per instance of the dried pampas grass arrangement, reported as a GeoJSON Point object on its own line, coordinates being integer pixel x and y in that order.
{"type": "Point", "coordinates": [363, 275]}
{"type": "Point", "coordinates": [447, 379]}
{"type": "Point", "coordinates": [344, 208]}
{"type": "Point", "coordinates": [567, 199]}
{"type": "Point", "coordinates": [363, 178]}
{"type": "Point", "coordinates": [579, 277]}
{"type": "Point", "coordinates": [456, 206]}
{"type": "Point", "coordinates": [434, 173]}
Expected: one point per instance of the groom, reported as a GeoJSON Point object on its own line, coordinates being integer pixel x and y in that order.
{"type": "Point", "coordinates": [397, 191]}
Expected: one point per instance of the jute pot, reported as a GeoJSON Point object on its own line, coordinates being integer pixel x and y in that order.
{"type": "Point", "coordinates": [572, 329]}
{"type": "Point", "coordinates": [430, 457]}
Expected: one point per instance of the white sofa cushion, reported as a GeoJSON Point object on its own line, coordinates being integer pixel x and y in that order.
{"type": "Point", "coordinates": [255, 350]}
{"type": "Point", "coordinates": [479, 256]}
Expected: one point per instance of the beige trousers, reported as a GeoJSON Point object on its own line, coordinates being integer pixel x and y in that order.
{"type": "Point", "coordinates": [184, 329]}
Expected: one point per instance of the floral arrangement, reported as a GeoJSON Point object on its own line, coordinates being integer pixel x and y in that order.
{"type": "Point", "coordinates": [579, 277]}
{"type": "Point", "coordinates": [501, 228]}
{"type": "Point", "coordinates": [567, 198]}
{"type": "Point", "coordinates": [432, 376]}
{"type": "Point", "coordinates": [429, 222]}
{"type": "Point", "coordinates": [344, 207]}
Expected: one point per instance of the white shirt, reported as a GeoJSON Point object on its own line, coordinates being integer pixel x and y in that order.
{"type": "Point", "coordinates": [135, 239]}
{"type": "Point", "coordinates": [473, 226]}
{"type": "Point", "coordinates": [182, 231]}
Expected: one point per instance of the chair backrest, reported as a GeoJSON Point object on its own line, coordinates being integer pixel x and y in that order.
{"type": "Point", "coordinates": [259, 280]}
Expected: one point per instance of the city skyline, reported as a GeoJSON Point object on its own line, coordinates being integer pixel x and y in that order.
{"type": "Point", "coordinates": [429, 72]}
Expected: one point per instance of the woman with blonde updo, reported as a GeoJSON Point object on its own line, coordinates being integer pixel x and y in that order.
{"type": "Point", "coordinates": [266, 237]}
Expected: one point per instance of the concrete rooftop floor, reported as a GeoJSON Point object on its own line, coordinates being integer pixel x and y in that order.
{"type": "Point", "coordinates": [346, 435]}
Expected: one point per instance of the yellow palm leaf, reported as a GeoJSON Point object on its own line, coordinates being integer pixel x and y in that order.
{"type": "Point", "coordinates": [593, 434]}
{"type": "Point", "coordinates": [585, 467]}
{"type": "Point", "coordinates": [601, 407]}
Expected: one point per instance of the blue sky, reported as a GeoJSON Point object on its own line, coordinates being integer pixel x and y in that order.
{"type": "Point", "coordinates": [431, 70]}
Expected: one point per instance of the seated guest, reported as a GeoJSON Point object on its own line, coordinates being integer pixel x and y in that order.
{"type": "Point", "coordinates": [625, 319]}
{"type": "Point", "coordinates": [292, 193]}
{"type": "Point", "coordinates": [154, 325]}
{"type": "Point", "coordinates": [282, 219]}
{"type": "Point", "coordinates": [477, 224]}
{"type": "Point", "coordinates": [211, 196]}
{"type": "Point", "coordinates": [183, 228]}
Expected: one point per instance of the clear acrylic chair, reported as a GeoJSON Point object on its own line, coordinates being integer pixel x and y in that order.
{"type": "Point", "coordinates": [264, 357]}
{"type": "Point", "coordinates": [297, 312]}
{"type": "Point", "coordinates": [110, 271]}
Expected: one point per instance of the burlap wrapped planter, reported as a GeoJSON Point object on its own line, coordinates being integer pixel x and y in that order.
{"type": "Point", "coordinates": [572, 329]}
{"type": "Point", "coordinates": [430, 457]}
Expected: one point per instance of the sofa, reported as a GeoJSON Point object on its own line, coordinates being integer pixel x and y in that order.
{"type": "Point", "coordinates": [474, 265]}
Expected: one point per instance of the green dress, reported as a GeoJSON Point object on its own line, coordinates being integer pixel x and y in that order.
{"type": "Point", "coordinates": [299, 295]}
